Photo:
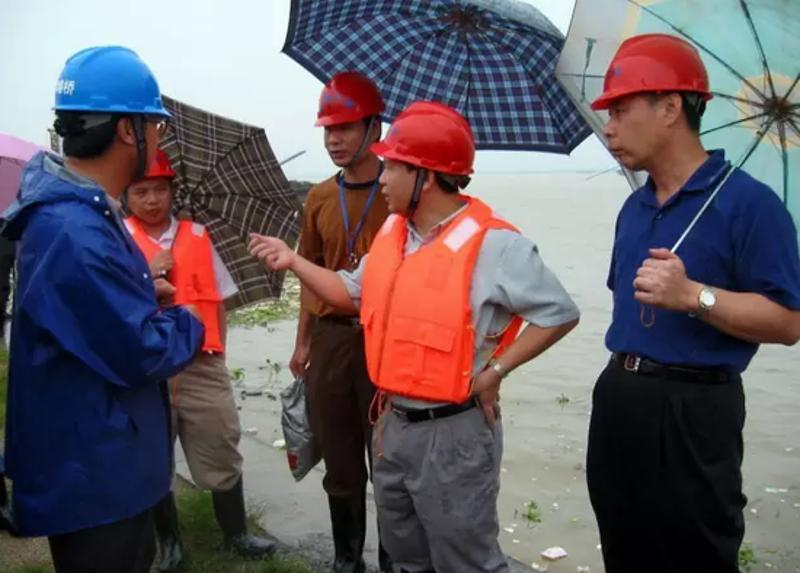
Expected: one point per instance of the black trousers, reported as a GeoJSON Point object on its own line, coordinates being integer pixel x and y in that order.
{"type": "Point", "coordinates": [664, 473]}
{"type": "Point", "coordinates": [126, 546]}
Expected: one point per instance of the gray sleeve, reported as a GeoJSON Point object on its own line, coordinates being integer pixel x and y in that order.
{"type": "Point", "coordinates": [526, 287]}
{"type": "Point", "coordinates": [352, 281]}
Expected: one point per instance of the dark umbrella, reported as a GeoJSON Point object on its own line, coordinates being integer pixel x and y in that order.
{"type": "Point", "coordinates": [229, 180]}
{"type": "Point", "coordinates": [493, 60]}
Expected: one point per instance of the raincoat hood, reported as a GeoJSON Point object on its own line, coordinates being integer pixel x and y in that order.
{"type": "Point", "coordinates": [37, 188]}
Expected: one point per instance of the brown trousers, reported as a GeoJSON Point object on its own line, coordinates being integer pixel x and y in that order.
{"type": "Point", "coordinates": [205, 418]}
{"type": "Point", "coordinates": [340, 394]}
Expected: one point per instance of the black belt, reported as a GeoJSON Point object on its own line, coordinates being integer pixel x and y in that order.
{"type": "Point", "coordinates": [415, 415]}
{"type": "Point", "coordinates": [647, 367]}
{"type": "Point", "coordinates": [351, 321]}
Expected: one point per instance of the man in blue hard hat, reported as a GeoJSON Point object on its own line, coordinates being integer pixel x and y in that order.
{"type": "Point", "coordinates": [88, 447]}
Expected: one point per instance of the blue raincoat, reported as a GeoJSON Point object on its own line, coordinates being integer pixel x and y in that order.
{"type": "Point", "coordinates": [87, 431]}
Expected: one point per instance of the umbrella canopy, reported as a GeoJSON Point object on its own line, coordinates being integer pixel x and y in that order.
{"type": "Point", "coordinates": [493, 60]}
{"type": "Point", "coordinates": [14, 154]}
{"type": "Point", "coordinates": [750, 48]}
{"type": "Point", "coordinates": [229, 180]}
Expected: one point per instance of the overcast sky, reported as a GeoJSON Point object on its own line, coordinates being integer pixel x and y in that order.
{"type": "Point", "coordinates": [223, 56]}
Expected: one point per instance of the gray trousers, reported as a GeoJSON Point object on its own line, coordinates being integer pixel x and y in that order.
{"type": "Point", "coordinates": [436, 484]}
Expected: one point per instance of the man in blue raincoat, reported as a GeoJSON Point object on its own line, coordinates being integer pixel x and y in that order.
{"type": "Point", "coordinates": [87, 436]}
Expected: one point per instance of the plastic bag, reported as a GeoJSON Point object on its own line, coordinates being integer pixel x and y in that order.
{"type": "Point", "coordinates": [302, 452]}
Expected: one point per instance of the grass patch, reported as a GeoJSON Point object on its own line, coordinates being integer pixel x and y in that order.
{"type": "Point", "coordinates": [265, 313]}
{"type": "Point", "coordinates": [747, 558]}
{"type": "Point", "coordinates": [202, 540]}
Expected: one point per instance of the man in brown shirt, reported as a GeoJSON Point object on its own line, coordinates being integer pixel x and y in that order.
{"type": "Point", "coordinates": [342, 216]}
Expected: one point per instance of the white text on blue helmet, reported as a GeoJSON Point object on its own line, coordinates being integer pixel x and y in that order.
{"type": "Point", "coordinates": [65, 87]}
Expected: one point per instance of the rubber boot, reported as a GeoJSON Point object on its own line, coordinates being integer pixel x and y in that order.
{"type": "Point", "coordinates": [349, 525]}
{"type": "Point", "coordinates": [230, 514]}
{"type": "Point", "coordinates": [168, 538]}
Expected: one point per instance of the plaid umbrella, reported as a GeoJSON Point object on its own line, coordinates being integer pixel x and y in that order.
{"type": "Point", "coordinates": [493, 60]}
{"type": "Point", "coordinates": [229, 180]}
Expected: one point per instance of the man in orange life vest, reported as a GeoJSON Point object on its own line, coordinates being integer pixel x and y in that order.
{"type": "Point", "coordinates": [442, 295]}
{"type": "Point", "coordinates": [204, 414]}
{"type": "Point", "coordinates": [342, 216]}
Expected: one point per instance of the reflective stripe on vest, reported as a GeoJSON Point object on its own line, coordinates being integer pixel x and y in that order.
{"type": "Point", "coordinates": [192, 274]}
{"type": "Point", "coordinates": [419, 333]}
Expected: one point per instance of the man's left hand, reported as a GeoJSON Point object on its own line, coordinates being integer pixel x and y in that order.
{"type": "Point", "coordinates": [486, 388]}
{"type": "Point", "coordinates": [165, 291]}
{"type": "Point", "coordinates": [661, 282]}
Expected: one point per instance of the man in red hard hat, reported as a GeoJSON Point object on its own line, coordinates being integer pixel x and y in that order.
{"type": "Point", "coordinates": [342, 216]}
{"type": "Point", "coordinates": [665, 440]}
{"type": "Point", "coordinates": [442, 295]}
{"type": "Point", "coordinates": [204, 414]}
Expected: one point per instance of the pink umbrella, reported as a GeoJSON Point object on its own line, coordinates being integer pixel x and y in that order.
{"type": "Point", "coordinates": [14, 154]}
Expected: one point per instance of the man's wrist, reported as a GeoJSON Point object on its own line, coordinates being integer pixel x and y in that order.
{"type": "Point", "coordinates": [692, 297]}
{"type": "Point", "coordinates": [293, 262]}
{"type": "Point", "coordinates": [498, 368]}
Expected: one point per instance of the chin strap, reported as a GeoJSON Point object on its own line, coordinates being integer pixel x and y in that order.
{"type": "Point", "coordinates": [422, 175]}
{"type": "Point", "coordinates": [141, 147]}
{"type": "Point", "coordinates": [364, 143]}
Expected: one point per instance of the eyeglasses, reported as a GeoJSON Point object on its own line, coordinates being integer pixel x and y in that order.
{"type": "Point", "coordinates": [161, 123]}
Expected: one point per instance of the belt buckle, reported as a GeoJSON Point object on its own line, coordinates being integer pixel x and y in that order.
{"type": "Point", "coordinates": [400, 413]}
{"type": "Point", "coordinates": [631, 363]}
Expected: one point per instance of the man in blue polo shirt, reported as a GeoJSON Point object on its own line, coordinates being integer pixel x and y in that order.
{"type": "Point", "coordinates": [665, 440]}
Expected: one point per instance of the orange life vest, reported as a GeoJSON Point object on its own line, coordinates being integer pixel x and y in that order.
{"type": "Point", "coordinates": [419, 333]}
{"type": "Point", "coordinates": [192, 275]}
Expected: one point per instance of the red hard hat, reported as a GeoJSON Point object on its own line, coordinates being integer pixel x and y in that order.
{"type": "Point", "coordinates": [653, 63]}
{"type": "Point", "coordinates": [160, 167]}
{"type": "Point", "coordinates": [348, 97]}
{"type": "Point", "coordinates": [430, 135]}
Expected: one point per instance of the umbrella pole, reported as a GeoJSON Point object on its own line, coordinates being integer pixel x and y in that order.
{"type": "Point", "coordinates": [761, 133]}
{"type": "Point", "coordinates": [701, 211]}
{"type": "Point", "coordinates": [295, 156]}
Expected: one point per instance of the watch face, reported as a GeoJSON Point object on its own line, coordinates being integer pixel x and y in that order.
{"type": "Point", "coordinates": [707, 298]}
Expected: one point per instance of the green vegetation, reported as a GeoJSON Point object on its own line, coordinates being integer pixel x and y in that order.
{"type": "Point", "coordinates": [747, 557]}
{"type": "Point", "coordinates": [265, 313]}
{"type": "Point", "coordinates": [531, 512]}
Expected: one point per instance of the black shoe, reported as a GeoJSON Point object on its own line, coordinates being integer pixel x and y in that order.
{"type": "Point", "coordinates": [229, 510]}
{"type": "Point", "coordinates": [168, 538]}
{"type": "Point", "coordinates": [349, 525]}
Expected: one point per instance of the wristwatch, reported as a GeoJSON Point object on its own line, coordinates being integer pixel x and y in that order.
{"type": "Point", "coordinates": [497, 367]}
{"type": "Point", "coordinates": [706, 299]}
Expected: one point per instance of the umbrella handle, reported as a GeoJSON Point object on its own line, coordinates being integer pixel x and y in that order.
{"type": "Point", "coordinates": [647, 315]}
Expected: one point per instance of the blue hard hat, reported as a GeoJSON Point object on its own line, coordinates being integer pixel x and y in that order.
{"type": "Point", "coordinates": [108, 79]}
